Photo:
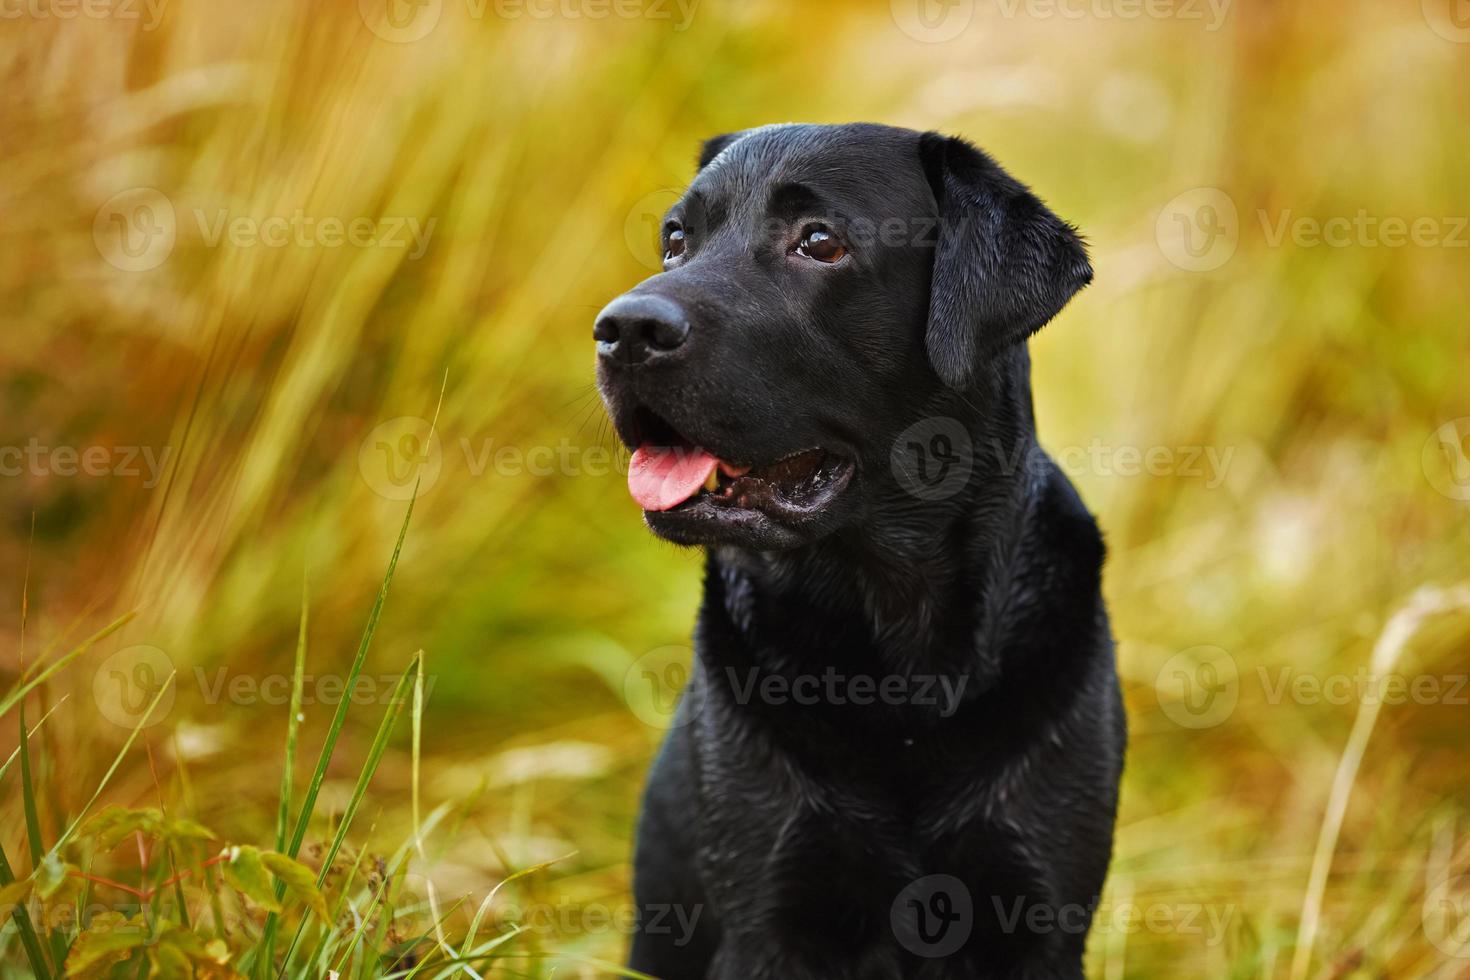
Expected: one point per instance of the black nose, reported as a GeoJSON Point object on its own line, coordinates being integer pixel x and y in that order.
{"type": "Point", "coordinates": [635, 328]}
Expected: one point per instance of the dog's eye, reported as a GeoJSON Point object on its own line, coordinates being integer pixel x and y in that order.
{"type": "Point", "coordinates": [821, 245]}
{"type": "Point", "coordinates": [675, 246]}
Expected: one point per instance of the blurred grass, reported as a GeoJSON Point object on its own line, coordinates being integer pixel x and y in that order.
{"type": "Point", "coordinates": [533, 146]}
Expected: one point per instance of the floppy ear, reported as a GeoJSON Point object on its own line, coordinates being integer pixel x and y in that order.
{"type": "Point", "coordinates": [711, 147]}
{"type": "Point", "coordinates": [1003, 265]}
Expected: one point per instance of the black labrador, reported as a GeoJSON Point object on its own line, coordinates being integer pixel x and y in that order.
{"type": "Point", "coordinates": [899, 750]}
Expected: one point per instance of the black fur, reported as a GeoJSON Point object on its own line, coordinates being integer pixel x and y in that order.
{"type": "Point", "coordinates": [789, 832]}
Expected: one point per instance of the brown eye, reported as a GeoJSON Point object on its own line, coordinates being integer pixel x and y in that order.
{"type": "Point", "coordinates": [675, 247]}
{"type": "Point", "coordinates": [821, 245]}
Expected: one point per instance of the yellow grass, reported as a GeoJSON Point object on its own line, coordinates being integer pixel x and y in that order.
{"type": "Point", "coordinates": [1291, 395]}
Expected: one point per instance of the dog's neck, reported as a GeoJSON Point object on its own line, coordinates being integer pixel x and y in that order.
{"type": "Point", "coordinates": [911, 586]}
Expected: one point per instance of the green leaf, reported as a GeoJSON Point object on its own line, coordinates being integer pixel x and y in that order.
{"type": "Point", "coordinates": [245, 871]}
{"type": "Point", "coordinates": [108, 939]}
{"type": "Point", "coordinates": [178, 946]}
{"type": "Point", "coordinates": [114, 824]}
{"type": "Point", "coordinates": [299, 881]}
{"type": "Point", "coordinates": [184, 829]}
{"type": "Point", "coordinates": [52, 876]}
{"type": "Point", "coordinates": [167, 962]}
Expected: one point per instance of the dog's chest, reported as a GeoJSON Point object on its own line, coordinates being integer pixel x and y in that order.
{"type": "Point", "coordinates": [831, 847]}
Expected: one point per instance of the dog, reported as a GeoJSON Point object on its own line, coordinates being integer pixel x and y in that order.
{"type": "Point", "coordinates": [899, 750]}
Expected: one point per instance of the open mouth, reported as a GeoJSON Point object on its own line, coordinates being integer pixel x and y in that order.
{"type": "Point", "coordinates": [669, 473]}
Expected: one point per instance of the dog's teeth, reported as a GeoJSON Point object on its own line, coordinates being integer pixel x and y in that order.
{"type": "Point", "coordinates": [713, 481]}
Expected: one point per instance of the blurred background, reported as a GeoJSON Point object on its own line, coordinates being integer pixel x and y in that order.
{"type": "Point", "coordinates": [250, 248]}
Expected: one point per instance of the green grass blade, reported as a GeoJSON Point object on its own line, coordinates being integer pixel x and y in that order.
{"type": "Point", "coordinates": [340, 718]}
{"type": "Point", "coordinates": [267, 952]}
{"type": "Point", "coordinates": [117, 761]}
{"type": "Point", "coordinates": [418, 734]}
{"type": "Point", "coordinates": [14, 697]}
{"type": "Point", "coordinates": [308, 803]}
{"type": "Point", "coordinates": [469, 939]}
{"type": "Point", "coordinates": [293, 722]}
{"type": "Point", "coordinates": [364, 777]}
{"type": "Point", "coordinates": [28, 795]}
{"type": "Point", "coordinates": [5, 768]}
{"type": "Point", "coordinates": [23, 925]}
{"type": "Point", "coordinates": [33, 830]}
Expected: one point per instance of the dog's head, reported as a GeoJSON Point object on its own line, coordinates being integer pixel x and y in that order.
{"type": "Point", "coordinates": [823, 288]}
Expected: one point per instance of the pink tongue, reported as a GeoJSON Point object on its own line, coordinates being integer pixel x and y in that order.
{"type": "Point", "coordinates": [663, 477]}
